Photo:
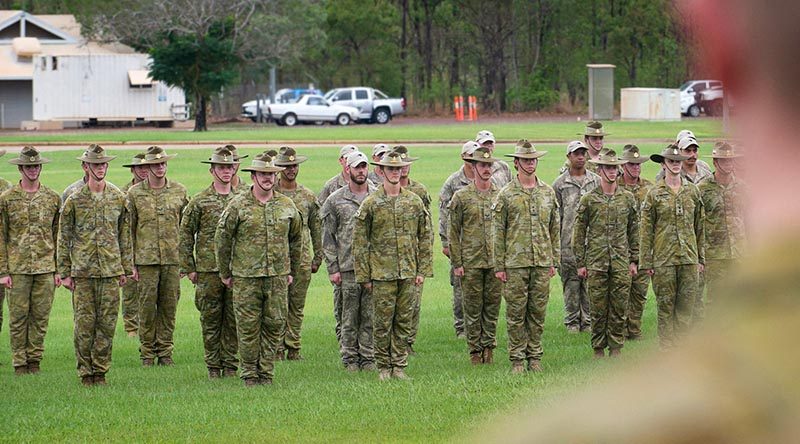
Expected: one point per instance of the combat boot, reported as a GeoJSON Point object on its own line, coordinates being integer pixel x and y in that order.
{"type": "Point", "coordinates": [534, 365]}
{"type": "Point", "coordinates": [573, 329]}
{"type": "Point", "coordinates": [264, 381]}
{"type": "Point", "coordinates": [488, 356]}
{"type": "Point", "coordinates": [476, 358]}
{"type": "Point", "coordinates": [385, 374]}
{"type": "Point", "coordinates": [517, 368]}
{"type": "Point", "coordinates": [615, 352]}
{"type": "Point", "coordinates": [33, 368]}
{"type": "Point", "coordinates": [293, 354]}
{"type": "Point", "coordinates": [147, 362]}
{"type": "Point", "coordinates": [131, 334]}
{"type": "Point", "coordinates": [368, 367]}
{"type": "Point", "coordinates": [87, 381]}
{"type": "Point", "coordinates": [21, 370]}
{"type": "Point", "coordinates": [100, 380]}
{"type": "Point", "coordinates": [214, 373]}
{"type": "Point", "coordinates": [251, 382]}
{"type": "Point", "coordinates": [599, 353]}
{"type": "Point", "coordinates": [399, 373]}
{"type": "Point", "coordinates": [352, 367]}
{"type": "Point", "coordinates": [229, 372]}
{"type": "Point", "coordinates": [166, 361]}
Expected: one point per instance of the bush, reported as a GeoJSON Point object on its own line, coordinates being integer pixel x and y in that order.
{"type": "Point", "coordinates": [532, 95]}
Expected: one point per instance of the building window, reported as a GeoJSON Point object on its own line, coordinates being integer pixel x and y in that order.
{"type": "Point", "coordinates": [55, 63]}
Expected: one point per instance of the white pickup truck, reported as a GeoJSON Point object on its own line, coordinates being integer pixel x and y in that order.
{"type": "Point", "coordinates": [373, 105]}
{"type": "Point", "coordinates": [311, 109]}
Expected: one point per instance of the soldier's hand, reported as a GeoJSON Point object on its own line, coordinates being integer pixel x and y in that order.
{"type": "Point", "coordinates": [192, 277]}
{"type": "Point", "coordinates": [314, 268]}
{"type": "Point", "coordinates": [123, 280]}
{"type": "Point", "coordinates": [583, 273]}
{"type": "Point", "coordinates": [458, 271]}
{"type": "Point", "coordinates": [446, 251]}
{"type": "Point", "coordinates": [367, 286]}
{"type": "Point", "coordinates": [701, 268]}
{"type": "Point", "coordinates": [634, 269]}
{"type": "Point", "coordinates": [228, 282]}
{"type": "Point", "coordinates": [419, 280]}
{"type": "Point", "coordinates": [68, 283]}
{"type": "Point", "coordinates": [6, 282]}
{"type": "Point", "coordinates": [551, 272]}
{"type": "Point", "coordinates": [56, 280]}
{"type": "Point", "coordinates": [135, 275]}
{"type": "Point", "coordinates": [335, 278]}
{"type": "Point", "coordinates": [502, 276]}
{"type": "Point", "coordinates": [289, 279]}
{"type": "Point", "coordinates": [650, 272]}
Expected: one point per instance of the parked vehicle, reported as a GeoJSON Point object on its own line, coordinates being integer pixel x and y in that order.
{"type": "Point", "coordinates": [285, 95]}
{"type": "Point", "coordinates": [311, 108]}
{"type": "Point", "coordinates": [373, 105]}
{"type": "Point", "coordinates": [711, 101]}
{"type": "Point", "coordinates": [689, 90]}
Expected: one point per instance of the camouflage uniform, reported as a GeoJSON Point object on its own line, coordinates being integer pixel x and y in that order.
{"type": "Point", "coordinates": [606, 241]}
{"type": "Point", "coordinates": [338, 215]}
{"type": "Point", "coordinates": [130, 300]}
{"type": "Point", "coordinates": [71, 188]}
{"type": "Point", "coordinates": [28, 233]}
{"type": "Point", "coordinates": [672, 245]}
{"type": "Point", "coordinates": [526, 245]}
{"type": "Point", "coordinates": [334, 183]}
{"type": "Point", "coordinates": [4, 185]}
{"type": "Point", "coordinates": [391, 245]}
{"type": "Point", "coordinates": [306, 203]}
{"type": "Point", "coordinates": [375, 178]}
{"type": "Point", "coordinates": [259, 245]}
{"type": "Point", "coordinates": [640, 282]}
{"type": "Point", "coordinates": [501, 173]}
{"type": "Point", "coordinates": [724, 229]}
{"type": "Point", "coordinates": [155, 226]}
{"type": "Point", "coordinates": [471, 247]}
{"type": "Point", "coordinates": [569, 191]}
{"type": "Point", "coordinates": [94, 249]}
{"type": "Point", "coordinates": [211, 297]}
{"type": "Point", "coordinates": [420, 190]}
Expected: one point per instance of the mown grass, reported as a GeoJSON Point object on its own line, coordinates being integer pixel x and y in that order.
{"type": "Point", "coordinates": [314, 400]}
{"type": "Point", "coordinates": [511, 131]}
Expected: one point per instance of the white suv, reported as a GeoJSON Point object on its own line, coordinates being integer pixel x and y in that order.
{"type": "Point", "coordinates": [689, 90]}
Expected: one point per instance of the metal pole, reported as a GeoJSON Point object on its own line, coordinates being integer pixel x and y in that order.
{"type": "Point", "coordinates": [272, 86]}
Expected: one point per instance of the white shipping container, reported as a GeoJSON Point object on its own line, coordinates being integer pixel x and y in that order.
{"type": "Point", "coordinates": [654, 104]}
{"type": "Point", "coordinates": [106, 87]}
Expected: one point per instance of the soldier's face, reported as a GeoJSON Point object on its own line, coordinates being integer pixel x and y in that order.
{"type": "Point", "coordinates": [159, 170]}
{"type": "Point", "coordinates": [610, 172]}
{"type": "Point", "coordinates": [31, 172]}
{"type": "Point", "coordinates": [290, 173]}
{"type": "Point", "coordinates": [526, 166]}
{"type": "Point", "coordinates": [632, 169]}
{"type": "Point", "coordinates": [483, 170]}
{"type": "Point", "coordinates": [391, 174]}
{"type": "Point", "coordinates": [358, 173]}
{"type": "Point", "coordinates": [139, 172]}
{"type": "Point", "coordinates": [727, 166]}
{"type": "Point", "coordinates": [489, 144]}
{"type": "Point", "coordinates": [690, 151]}
{"type": "Point", "coordinates": [96, 170]}
{"type": "Point", "coordinates": [577, 158]}
{"type": "Point", "coordinates": [596, 142]}
{"type": "Point", "coordinates": [264, 180]}
{"type": "Point", "coordinates": [223, 173]}
{"type": "Point", "coordinates": [404, 171]}
{"type": "Point", "coordinates": [673, 166]}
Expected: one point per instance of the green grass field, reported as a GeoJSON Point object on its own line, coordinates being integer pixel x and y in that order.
{"type": "Point", "coordinates": [314, 400]}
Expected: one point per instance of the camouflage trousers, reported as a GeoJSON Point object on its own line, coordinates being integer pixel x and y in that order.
{"type": "Point", "coordinates": [675, 287]}
{"type": "Point", "coordinates": [261, 306]}
{"type": "Point", "coordinates": [297, 303]}
{"type": "Point", "coordinates": [95, 303]}
{"type": "Point", "coordinates": [159, 290]}
{"type": "Point", "coordinates": [482, 295]}
{"type": "Point", "coordinates": [636, 301]}
{"type": "Point", "coordinates": [218, 323]}
{"type": "Point", "coordinates": [2, 298]}
{"type": "Point", "coordinates": [130, 307]}
{"type": "Point", "coordinates": [337, 312]}
{"type": "Point", "coordinates": [576, 300]}
{"type": "Point", "coordinates": [29, 303]}
{"type": "Point", "coordinates": [716, 271]}
{"type": "Point", "coordinates": [357, 344]}
{"type": "Point", "coordinates": [699, 306]}
{"type": "Point", "coordinates": [458, 303]}
{"type": "Point", "coordinates": [417, 306]}
{"type": "Point", "coordinates": [526, 292]}
{"type": "Point", "coordinates": [608, 293]}
{"type": "Point", "coordinates": [393, 304]}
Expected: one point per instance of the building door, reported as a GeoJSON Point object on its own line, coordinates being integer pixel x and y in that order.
{"type": "Point", "coordinates": [16, 103]}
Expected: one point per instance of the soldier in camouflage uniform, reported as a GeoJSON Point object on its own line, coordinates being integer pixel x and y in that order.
{"type": "Point", "coordinates": [471, 250]}
{"type": "Point", "coordinates": [606, 245]}
{"type": "Point", "coordinates": [570, 187]}
{"type": "Point", "coordinates": [631, 180]}
{"type": "Point", "coordinates": [338, 216]}
{"type": "Point", "coordinates": [421, 191]}
{"type": "Point", "coordinates": [94, 258]}
{"type": "Point", "coordinates": [377, 152]}
{"type": "Point", "coordinates": [199, 263]}
{"type": "Point", "coordinates": [306, 202]}
{"type": "Point", "coordinates": [526, 253]}
{"type": "Point", "coordinates": [671, 245]}
{"type": "Point", "coordinates": [501, 172]}
{"type": "Point", "coordinates": [236, 182]}
{"type": "Point", "coordinates": [392, 249]}
{"type": "Point", "coordinates": [724, 224]}
{"type": "Point", "coordinates": [155, 206]}
{"type": "Point", "coordinates": [4, 185]}
{"type": "Point", "coordinates": [130, 300]}
{"type": "Point", "coordinates": [259, 243]}
{"type": "Point", "coordinates": [28, 233]}
{"type": "Point", "coordinates": [593, 136]}
{"type": "Point", "coordinates": [693, 169]}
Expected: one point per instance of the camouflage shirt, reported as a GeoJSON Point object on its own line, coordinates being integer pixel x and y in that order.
{"type": "Point", "coordinates": [94, 235]}
{"type": "Point", "coordinates": [639, 190]}
{"type": "Point", "coordinates": [569, 192]}
{"type": "Point", "coordinates": [155, 222]}
{"type": "Point", "coordinates": [4, 185]}
{"type": "Point", "coordinates": [391, 238]}
{"type": "Point", "coordinates": [606, 232]}
{"type": "Point", "coordinates": [71, 188]}
{"type": "Point", "coordinates": [307, 205]}
{"type": "Point", "coordinates": [128, 185]}
{"type": "Point", "coordinates": [28, 231]}
{"type": "Point", "coordinates": [338, 220]}
{"type": "Point", "coordinates": [671, 227]}
{"type": "Point", "coordinates": [421, 191]}
{"type": "Point", "coordinates": [703, 171]}
{"type": "Point", "coordinates": [333, 184]}
{"type": "Point", "coordinates": [375, 178]}
{"type": "Point", "coordinates": [470, 231]}
{"type": "Point", "coordinates": [455, 182]}
{"type": "Point", "coordinates": [724, 223]}
{"type": "Point", "coordinates": [501, 173]}
{"type": "Point", "coordinates": [198, 226]}
{"type": "Point", "coordinates": [526, 228]}
{"type": "Point", "coordinates": [259, 240]}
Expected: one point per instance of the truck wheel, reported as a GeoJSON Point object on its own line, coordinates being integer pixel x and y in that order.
{"type": "Point", "coordinates": [382, 116]}
{"type": "Point", "coordinates": [343, 119]}
{"type": "Point", "coordinates": [290, 119]}
{"type": "Point", "coordinates": [694, 111]}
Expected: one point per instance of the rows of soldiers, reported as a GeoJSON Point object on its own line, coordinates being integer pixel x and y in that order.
{"type": "Point", "coordinates": [251, 251]}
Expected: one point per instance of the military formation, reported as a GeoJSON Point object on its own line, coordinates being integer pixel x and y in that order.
{"type": "Point", "coordinates": [250, 251]}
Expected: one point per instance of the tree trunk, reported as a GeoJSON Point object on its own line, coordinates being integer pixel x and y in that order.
{"type": "Point", "coordinates": [200, 114]}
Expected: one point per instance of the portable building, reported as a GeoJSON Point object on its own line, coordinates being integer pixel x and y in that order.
{"type": "Point", "coordinates": [654, 104]}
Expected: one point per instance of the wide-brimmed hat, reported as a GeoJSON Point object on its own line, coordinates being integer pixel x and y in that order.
{"type": "Point", "coordinates": [136, 161]}
{"type": "Point", "coordinates": [235, 152]}
{"type": "Point", "coordinates": [686, 142]}
{"type": "Point", "coordinates": [594, 128]}
{"type": "Point", "coordinates": [2, 153]}
{"type": "Point", "coordinates": [526, 150]}
{"type": "Point", "coordinates": [95, 154]}
{"type": "Point", "coordinates": [29, 156]}
{"type": "Point", "coordinates": [347, 149]}
{"type": "Point", "coordinates": [632, 155]}
{"type": "Point", "coordinates": [404, 153]}
{"type": "Point", "coordinates": [482, 154]}
{"type": "Point", "coordinates": [608, 157]}
{"type": "Point", "coordinates": [671, 152]}
{"type": "Point", "coordinates": [380, 149]}
{"type": "Point", "coordinates": [392, 159]}
{"type": "Point", "coordinates": [288, 156]}
{"type": "Point", "coordinates": [484, 136]}
{"type": "Point", "coordinates": [576, 145]}
{"type": "Point", "coordinates": [684, 133]}
{"type": "Point", "coordinates": [356, 158]}
{"type": "Point", "coordinates": [222, 156]}
{"type": "Point", "coordinates": [155, 155]}
{"type": "Point", "coordinates": [724, 150]}
{"type": "Point", "coordinates": [263, 163]}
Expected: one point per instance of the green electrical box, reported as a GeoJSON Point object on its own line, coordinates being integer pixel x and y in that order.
{"type": "Point", "coordinates": [601, 92]}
